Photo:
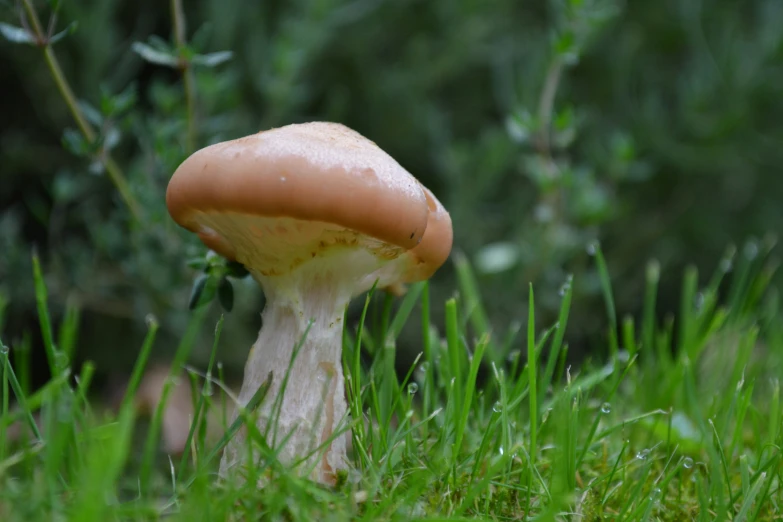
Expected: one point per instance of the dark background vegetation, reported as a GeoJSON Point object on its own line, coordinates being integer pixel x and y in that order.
{"type": "Point", "coordinates": [543, 126]}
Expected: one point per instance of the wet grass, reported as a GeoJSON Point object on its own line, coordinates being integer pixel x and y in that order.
{"type": "Point", "coordinates": [681, 420]}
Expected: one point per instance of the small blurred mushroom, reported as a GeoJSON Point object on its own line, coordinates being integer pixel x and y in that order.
{"type": "Point", "coordinates": [178, 412]}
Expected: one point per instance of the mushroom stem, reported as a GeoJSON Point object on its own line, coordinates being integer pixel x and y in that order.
{"type": "Point", "coordinates": [305, 313]}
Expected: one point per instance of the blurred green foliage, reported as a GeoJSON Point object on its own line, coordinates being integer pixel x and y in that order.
{"type": "Point", "coordinates": [653, 127]}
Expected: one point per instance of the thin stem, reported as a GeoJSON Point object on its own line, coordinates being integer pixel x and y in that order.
{"type": "Point", "coordinates": [178, 16]}
{"type": "Point", "coordinates": [112, 169]}
{"type": "Point", "coordinates": [546, 106]}
{"type": "Point", "coordinates": [543, 143]}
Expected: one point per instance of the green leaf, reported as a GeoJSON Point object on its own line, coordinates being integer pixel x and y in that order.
{"type": "Point", "coordinates": [567, 47]}
{"type": "Point", "coordinates": [199, 263]}
{"type": "Point", "coordinates": [112, 138]}
{"type": "Point", "coordinates": [212, 59]}
{"type": "Point", "coordinates": [156, 56]}
{"type": "Point", "coordinates": [92, 114]}
{"type": "Point", "coordinates": [18, 35]}
{"type": "Point", "coordinates": [520, 125]}
{"type": "Point", "coordinates": [113, 105]}
{"type": "Point", "coordinates": [236, 269]}
{"type": "Point", "coordinates": [226, 294]}
{"type": "Point", "coordinates": [75, 143]}
{"type": "Point", "coordinates": [199, 285]}
{"type": "Point", "coordinates": [70, 29]}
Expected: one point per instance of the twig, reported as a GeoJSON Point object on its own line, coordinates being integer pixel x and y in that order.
{"type": "Point", "coordinates": [178, 16]}
{"type": "Point", "coordinates": [112, 169]}
{"type": "Point", "coordinates": [546, 105]}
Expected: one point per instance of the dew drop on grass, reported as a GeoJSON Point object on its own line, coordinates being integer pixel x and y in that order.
{"type": "Point", "coordinates": [409, 414]}
{"type": "Point", "coordinates": [497, 407]}
{"type": "Point", "coordinates": [751, 250]}
{"type": "Point", "coordinates": [687, 463]}
{"type": "Point", "coordinates": [413, 388]}
{"type": "Point", "coordinates": [208, 386]}
{"type": "Point", "coordinates": [699, 301]}
{"type": "Point", "coordinates": [592, 248]}
{"type": "Point", "coordinates": [3, 349]}
{"type": "Point", "coordinates": [606, 408]}
{"type": "Point", "coordinates": [64, 410]}
{"type": "Point", "coordinates": [61, 360]}
{"type": "Point", "coordinates": [655, 494]}
{"type": "Point", "coordinates": [726, 265]}
{"type": "Point", "coordinates": [501, 450]}
{"type": "Point", "coordinates": [642, 455]}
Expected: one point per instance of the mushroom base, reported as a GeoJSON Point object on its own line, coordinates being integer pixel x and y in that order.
{"type": "Point", "coordinates": [312, 407]}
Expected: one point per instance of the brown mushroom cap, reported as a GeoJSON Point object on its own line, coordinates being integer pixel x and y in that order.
{"type": "Point", "coordinates": [312, 172]}
{"type": "Point", "coordinates": [317, 178]}
{"type": "Point", "coordinates": [435, 246]}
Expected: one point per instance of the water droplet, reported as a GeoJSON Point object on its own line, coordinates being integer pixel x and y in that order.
{"type": "Point", "coordinates": [751, 250]}
{"type": "Point", "coordinates": [687, 463]}
{"type": "Point", "coordinates": [642, 455]}
{"type": "Point", "coordinates": [564, 289]}
{"type": "Point", "coordinates": [355, 476]}
{"type": "Point", "coordinates": [544, 213]}
{"type": "Point", "coordinates": [219, 365]}
{"type": "Point", "coordinates": [64, 409]}
{"type": "Point", "coordinates": [409, 414]}
{"type": "Point", "coordinates": [3, 349]}
{"type": "Point", "coordinates": [150, 320]}
{"type": "Point", "coordinates": [726, 265]}
{"type": "Point", "coordinates": [592, 247]}
{"type": "Point", "coordinates": [61, 360]}
{"type": "Point", "coordinates": [501, 450]}
{"type": "Point", "coordinates": [413, 388]}
{"type": "Point", "coordinates": [699, 301]}
{"type": "Point", "coordinates": [655, 494]}
{"type": "Point", "coordinates": [557, 325]}
{"type": "Point", "coordinates": [208, 386]}
{"type": "Point", "coordinates": [513, 356]}
{"type": "Point", "coordinates": [423, 367]}
{"type": "Point", "coordinates": [497, 407]}
{"type": "Point", "coordinates": [606, 408]}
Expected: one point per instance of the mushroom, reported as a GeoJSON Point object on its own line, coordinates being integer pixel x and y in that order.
{"type": "Point", "coordinates": [318, 214]}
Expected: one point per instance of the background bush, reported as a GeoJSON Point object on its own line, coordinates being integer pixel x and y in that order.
{"type": "Point", "coordinates": [652, 127]}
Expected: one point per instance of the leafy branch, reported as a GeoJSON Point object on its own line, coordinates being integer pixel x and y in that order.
{"type": "Point", "coordinates": [182, 57]}
{"type": "Point", "coordinates": [178, 15]}
{"type": "Point", "coordinates": [32, 33]}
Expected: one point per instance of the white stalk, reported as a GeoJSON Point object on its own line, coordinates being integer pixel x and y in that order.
{"type": "Point", "coordinates": [312, 405]}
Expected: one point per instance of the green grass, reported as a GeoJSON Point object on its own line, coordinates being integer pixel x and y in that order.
{"type": "Point", "coordinates": [679, 419]}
